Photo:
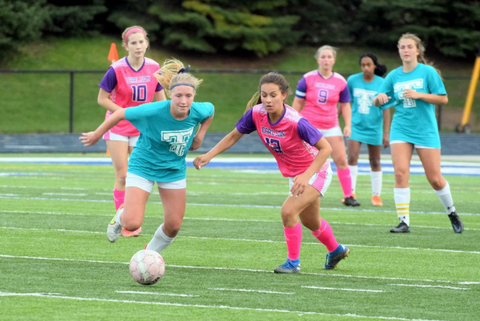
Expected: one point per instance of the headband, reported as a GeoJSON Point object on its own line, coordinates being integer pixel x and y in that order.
{"type": "Point", "coordinates": [181, 71]}
{"type": "Point", "coordinates": [182, 84]}
{"type": "Point", "coordinates": [133, 30]}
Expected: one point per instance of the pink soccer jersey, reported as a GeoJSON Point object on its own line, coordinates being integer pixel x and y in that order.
{"type": "Point", "coordinates": [129, 88]}
{"type": "Point", "coordinates": [289, 140]}
{"type": "Point", "coordinates": [321, 98]}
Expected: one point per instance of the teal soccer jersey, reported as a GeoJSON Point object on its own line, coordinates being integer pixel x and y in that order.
{"type": "Point", "coordinates": [160, 152]}
{"type": "Point", "coordinates": [367, 120]}
{"type": "Point", "coordinates": [414, 119]}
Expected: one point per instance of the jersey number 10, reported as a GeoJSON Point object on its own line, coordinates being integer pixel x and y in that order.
{"type": "Point", "coordinates": [139, 93]}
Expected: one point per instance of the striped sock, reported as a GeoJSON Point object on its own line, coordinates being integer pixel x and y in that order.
{"type": "Point", "coordinates": [402, 203]}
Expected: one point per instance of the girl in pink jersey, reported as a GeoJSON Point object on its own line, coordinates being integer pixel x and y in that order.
{"type": "Point", "coordinates": [317, 96]}
{"type": "Point", "coordinates": [302, 154]}
{"type": "Point", "coordinates": [128, 82]}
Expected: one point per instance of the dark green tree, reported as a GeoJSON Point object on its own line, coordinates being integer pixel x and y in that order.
{"type": "Point", "coordinates": [221, 25]}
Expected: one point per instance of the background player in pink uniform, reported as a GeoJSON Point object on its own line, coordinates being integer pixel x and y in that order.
{"type": "Point", "coordinates": [317, 96]}
{"type": "Point", "coordinates": [302, 154]}
{"type": "Point", "coordinates": [128, 82]}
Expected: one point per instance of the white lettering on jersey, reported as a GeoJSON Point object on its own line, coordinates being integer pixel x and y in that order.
{"type": "Point", "coordinates": [364, 99]}
{"type": "Point", "coordinates": [178, 140]}
{"type": "Point", "coordinates": [411, 84]}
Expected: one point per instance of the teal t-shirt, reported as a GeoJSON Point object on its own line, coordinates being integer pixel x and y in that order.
{"type": "Point", "coordinates": [164, 141]}
{"type": "Point", "coordinates": [414, 119]}
{"type": "Point", "coordinates": [367, 120]}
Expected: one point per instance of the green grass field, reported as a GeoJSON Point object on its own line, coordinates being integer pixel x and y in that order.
{"type": "Point", "coordinates": [57, 264]}
{"type": "Point", "coordinates": [40, 102]}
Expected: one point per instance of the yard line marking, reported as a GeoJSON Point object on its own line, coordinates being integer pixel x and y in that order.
{"type": "Point", "coordinates": [341, 289]}
{"type": "Point", "coordinates": [238, 269]}
{"type": "Point", "coordinates": [432, 286]}
{"type": "Point", "coordinates": [65, 194]}
{"type": "Point", "coordinates": [158, 293]}
{"type": "Point", "coordinates": [248, 290]}
{"type": "Point", "coordinates": [361, 211]}
{"type": "Point", "coordinates": [253, 240]}
{"type": "Point", "coordinates": [352, 315]}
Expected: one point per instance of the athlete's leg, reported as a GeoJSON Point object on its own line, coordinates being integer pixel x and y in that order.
{"type": "Point", "coordinates": [353, 154]}
{"type": "Point", "coordinates": [340, 159]}
{"type": "Point", "coordinates": [119, 151]}
{"type": "Point", "coordinates": [374, 152]}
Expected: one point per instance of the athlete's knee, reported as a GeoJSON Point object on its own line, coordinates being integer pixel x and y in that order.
{"type": "Point", "coordinates": [375, 163]}
{"type": "Point", "coordinates": [437, 181]}
{"type": "Point", "coordinates": [352, 159]}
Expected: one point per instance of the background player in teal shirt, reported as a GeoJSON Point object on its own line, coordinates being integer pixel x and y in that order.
{"type": "Point", "coordinates": [167, 132]}
{"type": "Point", "coordinates": [416, 88]}
{"type": "Point", "coordinates": [366, 122]}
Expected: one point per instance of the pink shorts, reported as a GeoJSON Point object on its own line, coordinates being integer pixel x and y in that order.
{"type": "Point", "coordinates": [320, 180]}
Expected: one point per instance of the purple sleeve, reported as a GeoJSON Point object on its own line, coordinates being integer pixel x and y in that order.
{"type": "Point", "coordinates": [159, 88]}
{"type": "Point", "coordinates": [109, 81]}
{"type": "Point", "coordinates": [301, 91]}
{"type": "Point", "coordinates": [345, 95]}
{"type": "Point", "coordinates": [307, 132]}
{"type": "Point", "coordinates": [246, 125]}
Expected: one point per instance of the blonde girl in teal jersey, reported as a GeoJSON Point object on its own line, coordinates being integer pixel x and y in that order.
{"type": "Point", "coordinates": [416, 87]}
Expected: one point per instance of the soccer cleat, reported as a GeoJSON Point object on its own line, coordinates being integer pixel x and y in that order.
{"type": "Point", "coordinates": [376, 200]}
{"type": "Point", "coordinates": [336, 256]}
{"type": "Point", "coordinates": [114, 229]}
{"type": "Point", "coordinates": [127, 233]}
{"type": "Point", "coordinates": [401, 228]}
{"type": "Point", "coordinates": [353, 195]}
{"type": "Point", "coordinates": [351, 201]}
{"type": "Point", "coordinates": [456, 222]}
{"type": "Point", "coordinates": [288, 267]}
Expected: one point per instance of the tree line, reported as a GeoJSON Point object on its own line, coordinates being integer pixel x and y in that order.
{"type": "Point", "coordinates": [256, 27]}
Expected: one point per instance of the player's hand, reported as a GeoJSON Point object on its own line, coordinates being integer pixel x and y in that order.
{"type": "Point", "coordinates": [300, 182]}
{"type": "Point", "coordinates": [382, 99]}
{"type": "Point", "coordinates": [347, 131]}
{"type": "Point", "coordinates": [386, 140]}
{"type": "Point", "coordinates": [89, 139]}
{"type": "Point", "coordinates": [411, 94]}
{"type": "Point", "coordinates": [201, 161]}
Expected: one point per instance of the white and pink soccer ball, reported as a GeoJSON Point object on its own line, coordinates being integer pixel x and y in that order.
{"type": "Point", "coordinates": [147, 267]}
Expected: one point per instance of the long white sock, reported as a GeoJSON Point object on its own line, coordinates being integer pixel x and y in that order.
{"type": "Point", "coordinates": [159, 241]}
{"type": "Point", "coordinates": [402, 203]}
{"type": "Point", "coordinates": [376, 179]}
{"type": "Point", "coordinates": [445, 197]}
{"type": "Point", "coordinates": [353, 175]}
{"type": "Point", "coordinates": [117, 216]}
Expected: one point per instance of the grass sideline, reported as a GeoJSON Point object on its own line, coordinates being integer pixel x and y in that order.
{"type": "Point", "coordinates": [40, 103]}
{"type": "Point", "coordinates": [57, 264]}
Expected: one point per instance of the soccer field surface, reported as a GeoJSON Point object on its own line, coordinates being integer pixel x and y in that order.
{"type": "Point", "coordinates": [56, 262]}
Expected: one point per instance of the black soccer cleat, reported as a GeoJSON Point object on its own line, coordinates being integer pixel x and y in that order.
{"type": "Point", "coordinates": [401, 228]}
{"type": "Point", "coordinates": [456, 222]}
{"type": "Point", "coordinates": [350, 201]}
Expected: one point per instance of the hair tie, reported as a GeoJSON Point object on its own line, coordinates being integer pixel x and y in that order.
{"type": "Point", "coordinates": [181, 71]}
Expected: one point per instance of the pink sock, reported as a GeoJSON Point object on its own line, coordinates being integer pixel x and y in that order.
{"type": "Point", "coordinates": [325, 235]}
{"type": "Point", "coordinates": [293, 237]}
{"type": "Point", "coordinates": [345, 181]}
{"type": "Point", "coordinates": [118, 198]}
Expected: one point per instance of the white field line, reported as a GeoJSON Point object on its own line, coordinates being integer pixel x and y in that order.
{"type": "Point", "coordinates": [249, 290]}
{"type": "Point", "coordinates": [356, 210]}
{"type": "Point", "coordinates": [226, 307]}
{"type": "Point", "coordinates": [253, 240]}
{"type": "Point", "coordinates": [65, 194]}
{"type": "Point", "coordinates": [431, 286]}
{"type": "Point", "coordinates": [158, 293]}
{"type": "Point", "coordinates": [342, 289]}
{"type": "Point", "coordinates": [240, 270]}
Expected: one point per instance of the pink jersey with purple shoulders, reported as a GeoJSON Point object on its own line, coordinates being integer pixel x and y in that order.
{"type": "Point", "coordinates": [129, 88]}
{"type": "Point", "coordinates": [321, 97]}
{"type": "Point", "coordinates": [290, 140]}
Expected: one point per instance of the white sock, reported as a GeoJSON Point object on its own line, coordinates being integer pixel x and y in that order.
{"type": "Point", "coordinates": [353, 175]}
{"type": "Point", "coordinates": [445, 197]}
{"type": "Point", "coordinates": [376, 179]}
{"type": "Point", "coordinates": [402, 203]}
{"type": "Point", "coordinates": [117, 216]}
{"type": "Point", "coordinates": [159, 241]}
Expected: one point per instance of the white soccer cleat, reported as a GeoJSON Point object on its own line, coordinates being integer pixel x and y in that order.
{"type": "Point", "coordinates": [114, 229]}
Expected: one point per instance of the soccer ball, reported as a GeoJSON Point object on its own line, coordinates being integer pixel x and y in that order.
{"type": "Point", "coordinates": [147, 267]}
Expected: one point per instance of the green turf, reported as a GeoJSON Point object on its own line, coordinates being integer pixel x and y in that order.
{"type": "Point", "coordinates": [57, 264]}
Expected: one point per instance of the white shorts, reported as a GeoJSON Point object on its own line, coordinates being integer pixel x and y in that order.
{"type": "Point", "coordinates": [414, 145]}
{"type": "Point", "coordinates": [335, 131]}
{"type": "Point", "coordinates": [131, 140]}
{"type": "Point", "coordinates": [320, 180]}
{"type": "Point", "coordinates": [147, 185]}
